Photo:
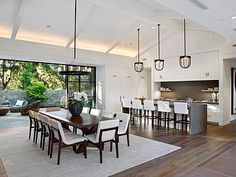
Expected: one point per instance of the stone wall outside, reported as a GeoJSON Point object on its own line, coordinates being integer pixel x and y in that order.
{"type": "Point", "coordinates": [54, 97]}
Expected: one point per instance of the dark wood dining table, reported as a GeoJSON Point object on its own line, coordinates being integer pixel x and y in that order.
{"type": "Point", "coordinates": [87, 123]}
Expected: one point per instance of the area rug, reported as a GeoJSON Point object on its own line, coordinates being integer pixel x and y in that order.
{"type": "Point", "coordinates": [22, 158]}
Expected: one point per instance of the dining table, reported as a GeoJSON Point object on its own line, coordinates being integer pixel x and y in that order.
{"type": "Point", "coordinates": [87, 123]}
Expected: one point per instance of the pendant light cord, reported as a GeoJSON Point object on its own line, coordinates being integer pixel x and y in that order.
{"type": "Point", "coordinates": [75, 31]}
{"type": "Point", "coordinates": [138, 43]}
{"type": "Point", "coordinates": [184, 39]}
{"type": "Point", "coordinates": [159, 42]}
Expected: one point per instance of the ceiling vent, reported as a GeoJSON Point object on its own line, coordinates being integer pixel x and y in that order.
{"type": "Point", "coordinates": [199, 4]}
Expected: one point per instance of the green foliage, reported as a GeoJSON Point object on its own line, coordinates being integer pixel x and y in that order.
{"type": "Point", "coordinates": [27, 75]}
{"type": "Point", "coordinates": [36, 91]}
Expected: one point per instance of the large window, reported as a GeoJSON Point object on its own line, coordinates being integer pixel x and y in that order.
{"type": "Point", "coordinates": [18, 75]}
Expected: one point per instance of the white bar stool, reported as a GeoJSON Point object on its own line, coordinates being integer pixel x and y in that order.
{"type": "Point", "coordinates": [163, 107]}
{"type": "Point", "coordinates": [148, 106]}
{"type": "Point", "coordinates": [137, 109]}
{"type": "Point", "coordinates": [181, 109]}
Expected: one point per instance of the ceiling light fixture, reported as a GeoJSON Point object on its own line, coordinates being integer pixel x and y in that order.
{"type": "Point", "coordinates": [185, 60]}
{"type": "Point", "coordinates": [85, 71]}
{"type": "Point", "coordinates": [159, 63]}
{"type": "Point", "coordinates": [138, 66]}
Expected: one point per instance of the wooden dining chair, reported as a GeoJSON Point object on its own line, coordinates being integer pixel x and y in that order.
{"type": "Point", "coordinates": [32, 124]}
{"type": "Point", "coordinates": [95, 112]}
{"type": "Point", "coordinates": [37, 129]}
{"type": "Point", "coordinates": [64, 139]}
{"type": "Point", "coordinates": [106, 132]}
{"type": "Point", "coordinates": [107, 114]}
{"type": "Point", "coordinates": [86, 110]}
{"type": "Point", "coordinates": [123, 129]}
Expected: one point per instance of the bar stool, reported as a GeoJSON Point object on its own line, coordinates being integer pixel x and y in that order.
{"type": "Point", "coordinates": [137, 109]}
{"type": "Point", "coordinates": [163, 107]}
{"type": "Point", "coordinates": [127, 107]}
{"type": "Point", "coordinates": [148, 106]}
{"type": "Point", "coordinates": [181, 109]}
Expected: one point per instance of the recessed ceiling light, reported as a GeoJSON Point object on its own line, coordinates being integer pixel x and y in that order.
{"type": "Point", "coordinates": [233, 17]}
{"type": "Point", "coordinates": [48, 26]}
{"type": "Point", "coordinates": [122, 42]}
{"type": "Point", "coordinates": [153, 27]}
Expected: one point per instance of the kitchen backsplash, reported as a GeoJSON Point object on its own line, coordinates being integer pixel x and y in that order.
{"type": "Point", "coordinates": [197, 90]}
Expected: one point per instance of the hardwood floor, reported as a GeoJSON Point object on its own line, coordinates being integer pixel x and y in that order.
{"type": "Point", "coordinates": [212, 154]}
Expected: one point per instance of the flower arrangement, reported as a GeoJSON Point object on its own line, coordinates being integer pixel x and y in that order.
{"type": "Point", "coordinates": [76, 103]}
{"type": "Point", "coordinates": [78, 97]}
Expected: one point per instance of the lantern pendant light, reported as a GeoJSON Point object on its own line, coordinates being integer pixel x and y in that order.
{"type": "Point", "coordinates": [159, 63]}
{"type": "Point", "coordinates": [185, 60]}
{"type": "Point", "coordinates": [138, 66]}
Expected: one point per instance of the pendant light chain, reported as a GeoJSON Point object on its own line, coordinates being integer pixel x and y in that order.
{"type": "Point", "coordinates": [159, 41]}
{"type": "Point", "coordinates": [138, 45]}
{"type": "Point", "coordinates": [75, 30]}
{"type": "Point", "coordinates": [185, 53]}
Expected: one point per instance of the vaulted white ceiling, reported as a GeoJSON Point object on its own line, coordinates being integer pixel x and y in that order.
{"type": "Point", "coordinates": [213, 14]}
{"type": "Point", "coordinates": [107, 26]}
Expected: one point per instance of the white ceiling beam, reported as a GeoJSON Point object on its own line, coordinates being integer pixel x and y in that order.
{"type": "Point", "coordinates": [124, 34]}
{"type": "Point", "coordinates": [81, 26]}
{"type": "Point", "coordinates": [19, 15]}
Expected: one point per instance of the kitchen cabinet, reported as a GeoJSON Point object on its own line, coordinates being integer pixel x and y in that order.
{"type": "Point", "coordinates": [205, 66]}
{"type": "Point", "coordinates": [213, 113]}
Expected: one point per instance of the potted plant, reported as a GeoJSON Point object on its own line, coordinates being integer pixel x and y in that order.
{"type": "Point", "coordinates": [76, 103]}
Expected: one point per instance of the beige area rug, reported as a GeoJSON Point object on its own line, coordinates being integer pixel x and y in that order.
{"type": "Point", "coordinates": [22, 158]}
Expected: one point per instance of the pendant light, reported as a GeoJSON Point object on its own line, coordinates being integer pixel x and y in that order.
{"type": "Point", "coordinates": [185, 60]}
{"type": "Point", "coordinates": [79, 72]}
{"type": "Point", "coordinates": [138, 66]}
{"type": "Point", "coordinates": [159, 63]}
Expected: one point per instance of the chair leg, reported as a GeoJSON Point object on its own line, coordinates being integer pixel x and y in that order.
{"type": "Point", "coordinates": [85, 149]}
{"type": "Point", "coordinates": [111, 146]}
{"type": "Point", "coordinates": [127, 138]}
{"type": "Point", "coordinates": [51, 146]}
{"type": "Point", "coordinates": [41, 138]}
{"type": "Point", "coordinates": [100, 151]}
{"type": "Point", "coordinates": [35, 129]}
{"type": "Point", "coordinates": [168, 121]}
{"type": "Point", "coordinates": [30, 128]}
{"type": "Point", "coordinates": [117, 151]}
{"type": "Point", "coordinates": [59, 152]}
{"type": "Point", "coordinates": [49, 143]}
{"type": "Point", "coordinates": [152, 119]}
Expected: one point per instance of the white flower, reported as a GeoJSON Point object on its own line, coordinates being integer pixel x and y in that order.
{"type": "Point", "coordinates": [80, 96]}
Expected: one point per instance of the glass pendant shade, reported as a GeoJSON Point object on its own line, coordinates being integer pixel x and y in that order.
{"type": "Point", "coordinates": [159, 64]}
{"type": "Point", "coordinates": [185, 60]}
{"type": "Point", "coordinates": [138, 66]}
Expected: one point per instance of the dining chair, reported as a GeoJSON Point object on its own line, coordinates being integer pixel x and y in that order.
{"type": "Point", "coordinates": [32, 123]}
{"type": "Point", "coordinates": [106, 132]}
{"type": "Point", "coordinates": [107, 114]}
{"type": "Point", "coordinates": [181, 109]}
{"type": "Point", "coordinates": [95, 112]}
{"type": "Point", "coordinates": [123, 128]}
{"type": "Point", "coordinates": [126, 106]}
{"type": "Point", "coordinates": [64, 139]}
{"type": "Point", "coordinates": [38, 128]}
{"type": "Point", "coordinates": [86, 110]}
{"type": "Point", "coordinates": [45, 130]}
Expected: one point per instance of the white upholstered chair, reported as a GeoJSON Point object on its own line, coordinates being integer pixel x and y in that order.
{"type": "Point", "coordinates": [148, 106]}
{"type": "Point", "coordinates": [86, 110]}
{"type": "Point", "coordinates": [137, 109]}
{"type": "Point", "coordinates": [123, 125]}
{"type": "Point", "coordinates": [164, 109]}
{"type": "Point", "coordinates": [107, 114]}
{"type": "Point", "coordinates": [106, 132]}
{"type": "Point", "coordinates": [95, 112]}
{"type": "Point", "coordinates": [67, 139]}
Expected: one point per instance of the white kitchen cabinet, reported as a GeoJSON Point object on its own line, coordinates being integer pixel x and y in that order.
{"type": "Point", "coordinates": [205, 66]}
{"type": "Point", "coordinates": [213, 113]}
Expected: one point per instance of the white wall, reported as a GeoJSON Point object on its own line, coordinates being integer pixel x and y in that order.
{"type": "Point", "coordinates": [115, 74]}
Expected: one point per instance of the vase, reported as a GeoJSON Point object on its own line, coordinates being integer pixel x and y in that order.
{"type": "Point", "coordinates": [75, 109]}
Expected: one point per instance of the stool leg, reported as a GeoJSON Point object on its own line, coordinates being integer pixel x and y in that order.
{"type": "Point", "coordinates": [152, 119]}
{"type": "Point", "coordinates": [182, 125]}
{"type": "Point", "coordinates": [140, 116]}
{"type": "Point", "coordinates": [174, 130]}
{"type": "Point", "coordinates": [186, 124]}
{"type": "Point", "coordinates": [168, 121]}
